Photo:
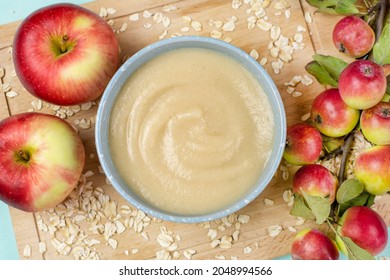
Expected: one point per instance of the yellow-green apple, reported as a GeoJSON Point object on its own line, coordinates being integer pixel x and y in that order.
{"type": "Point", "coordinates": [331, 116]}
{"type": "Point", "coordinates": [65, 54]}
{"type": "Point", "coordinates": [315, 180]}
{"type": "Point", "coordinates": [372, 168]}
{"type": "Point", "coordinates": [41, 160]}
{"type": "Point", "coordinates": [303, 144]}
{"type": "Point", "coordinates": [375, 123]}
{"type": "Point", "coordinates": [365, 227]}
{"type": "Point", "coordinates": [362, 84]}
{"type": "Point", "coordinates": [353, 36]}
{"type": "Point", "coordinates": [313, 244]}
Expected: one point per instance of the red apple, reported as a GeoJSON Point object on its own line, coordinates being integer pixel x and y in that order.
{"type": "Point", "coordinates": [331, 116]}
{"type": "Point", "coordinates": [41, 160]}
{"type": "Point", "coordinates": [303, 144]}
{"type": "Point", "coordinates": [353, 36]}
{"type": "Point", "coordinates": [65, 54]}
{"type": "Point", "coordinates": [365, 227]}
{"type": "Point", "coordinates": [315, 180]}
{"type": "Point", "coordinates": [375, 123]}
{"type": "Point", "coordinates": [313, 244]}
{"type": "Point", "coordinates": [372, 168]}
{"type": "Point", "coordinates": [362, 84]}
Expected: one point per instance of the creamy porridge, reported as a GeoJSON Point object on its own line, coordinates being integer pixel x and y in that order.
{"type": "Point", "coordinates": [191, 131]}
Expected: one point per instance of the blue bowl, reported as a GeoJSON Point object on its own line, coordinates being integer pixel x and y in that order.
{"type": "Point", "coordinates": [141, 57]}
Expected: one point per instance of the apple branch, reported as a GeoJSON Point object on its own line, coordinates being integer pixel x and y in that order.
{"type": "Point", "coordinates": [383, 9]}
{"type": "Point", "coordinates": [346, 147]}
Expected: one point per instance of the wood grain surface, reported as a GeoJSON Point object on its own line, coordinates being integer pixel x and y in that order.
{"type": "Point", "coordinates": [254, 240]}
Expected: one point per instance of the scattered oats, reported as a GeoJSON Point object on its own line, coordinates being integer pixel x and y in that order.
{"type": "Point", "coordinates": [308, 17]}
{"type": "Point", "coordinates": [147, 14]}
{"type": "Point", "coordinates": [187, 19]}
{"type": "Point", "coordinates": [247, 250]}
{"type": "Point", "coordinates": [275, 32]}
{"type": "Point", "coordinates": [300, 221]}
{"type": "Point", "coordinates": [277, 66]}
{"type": "Point", "coordinates": [263, 61]}
{"type": "Point", "coordinates": [196, 25]}
{"type": "Point", "coordinates": [134, 251]}
{"type": "Point", "coordinates": [85, 124]}
{"type": "Point", "coordinates": [27, 251]}
{"type": "Point", "coordinates": [158, 17]}
{"type": "Point", "coordinates": [288, 196]}
{"type": "Point", "coordinates": [145, 235]}
{"type": "Point", "coordinates": [147, 25]}
{"type": "Point", "coordinates": [103, 12]}
{"type": "Point", "coordinates": [243, 219]}
{"type": "Point", "coordinates": [111, 11]}
{"type": "Point", "coordinates": [229, 26]}
{"type": "Point", "coordinates": [236, 235]}
{"type": "Point", "coordinates": [285, 56]}
{"type": "Point", "coordinates": [220, 257]}
{"type": "Point", "coordinates": [89, 173]}
{"type": "Point", "coordinates": [263, 25]}
{"type": "Point", "coordinates": [274, 230]}
{"type": "Point", "coordinates": [188, 253]}
{"type": "Point", "coordinates": [169, 8]}
{"type": "Point", "coordinates": [228, 40]}
{"type": "Point", "coordinates": [120, 228]}
{"type": "Point", "coordinates": [292, 229]}
{"type": "Point", "coordinates": [279, 6]}
{"type": "Point", "coordinates": [278, 13]}
{"type": "Point", "coordinates": [298, 37]}
{"type": "Point", "coordinates": [86, 106]}
{"type": "Point", "coordinates": [184, 29]}
{"type": "Point", "coordinates": [212, 233]}
{"type": "Point", "coordinates": [42, 247]}
{"type": "Point", "coordinates": [113, 243]}
{"type": "Point", "coordinates": [236, 4]}
{"type": "Point", "coordinates": [123, 27]}
{"type": "Point", "coordinates": [134, 17]}
{"type": "Point", "coordinates": [126, 252]}
{"type": "Point", "coordinates": [215, 243]}
{"type": "Point", "coordinates": [176, 255]}
{"type": "Point", "coordinates": [305, 117]}
{"type": "Point", "coordinates": [255, 54]}
{"type": "Point", "coordinates": [166, 21]}
{"type": "Point", "coordinates": [237, 225]}
{"type": "Point", "coordinates": [287, 13]}
{"type": "Point", "coordinates": [274, 52]}
{"type": "Point", "coordinates": [163, 255]}
{"type": "Point", "coordinates": [11, 94]}
{"type": "Point", "coordinates": [221, 228]}
{"type": "Point", "coordinates": [297, 94]}
{"type": "Point", "coordinates": [226, 242]}
{"type": "Point", "coordinates": [290, 89]}
{"type": "Point", "coordinates": [306, 80]}
{"type": "Point", "coordinates": [216, 34]}
{"type": "Point", "coordinates": [111, 22]}
{"type": "Point", "coordinates": [269, 202]}
{"type": "Point", "coordinates": [37, 105]}
{"type": "Point", "coordinates": [6, 87]}
{"type": "Point", "coordinates": [300, 28]}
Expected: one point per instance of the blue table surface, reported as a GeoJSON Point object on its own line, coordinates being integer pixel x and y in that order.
{"type": "Point", "coordinates": [12, 11]}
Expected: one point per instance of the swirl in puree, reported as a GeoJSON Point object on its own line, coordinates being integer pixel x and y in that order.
{"type": "Point", "coordinates": [191, 131]}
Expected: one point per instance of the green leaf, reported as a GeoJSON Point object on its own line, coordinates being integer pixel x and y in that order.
{"type": "Point", "coordinates": [348, 190]}
{"type": "Point", "coordinates": [344, 7]}
{"type": "Point", "coordinates": [319, 206]}
{"type": "Point", "coordinates": [322, 76]}
{"type": "Point", "coordinates": [357, 201]}
{"type": "Point", "coordinates": [370, 200]}
{"type": "Point", "coordinates": [333, 65]}
{"type": "Point", "coordinates": [354, 251]}
{"type": "Point", "coordinates": [300, 208]}
{"type": "Point", "coordinates": [381, 49]}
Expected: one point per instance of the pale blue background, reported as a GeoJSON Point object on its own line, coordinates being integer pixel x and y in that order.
{"type": "Point", "coordinates": [13, 10]}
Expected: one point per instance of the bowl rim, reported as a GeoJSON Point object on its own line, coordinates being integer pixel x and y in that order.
{"type": "Point", "coordinates": [145, 54]}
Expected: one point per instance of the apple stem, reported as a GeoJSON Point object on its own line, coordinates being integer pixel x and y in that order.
{"type": "Point", "coordinates": [63, 47]}
{"type": "Point", "coordinates": [25, 156]}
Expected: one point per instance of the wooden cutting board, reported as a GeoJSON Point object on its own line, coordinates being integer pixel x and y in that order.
{"type": "Point", "coordinates": [68, 233]}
